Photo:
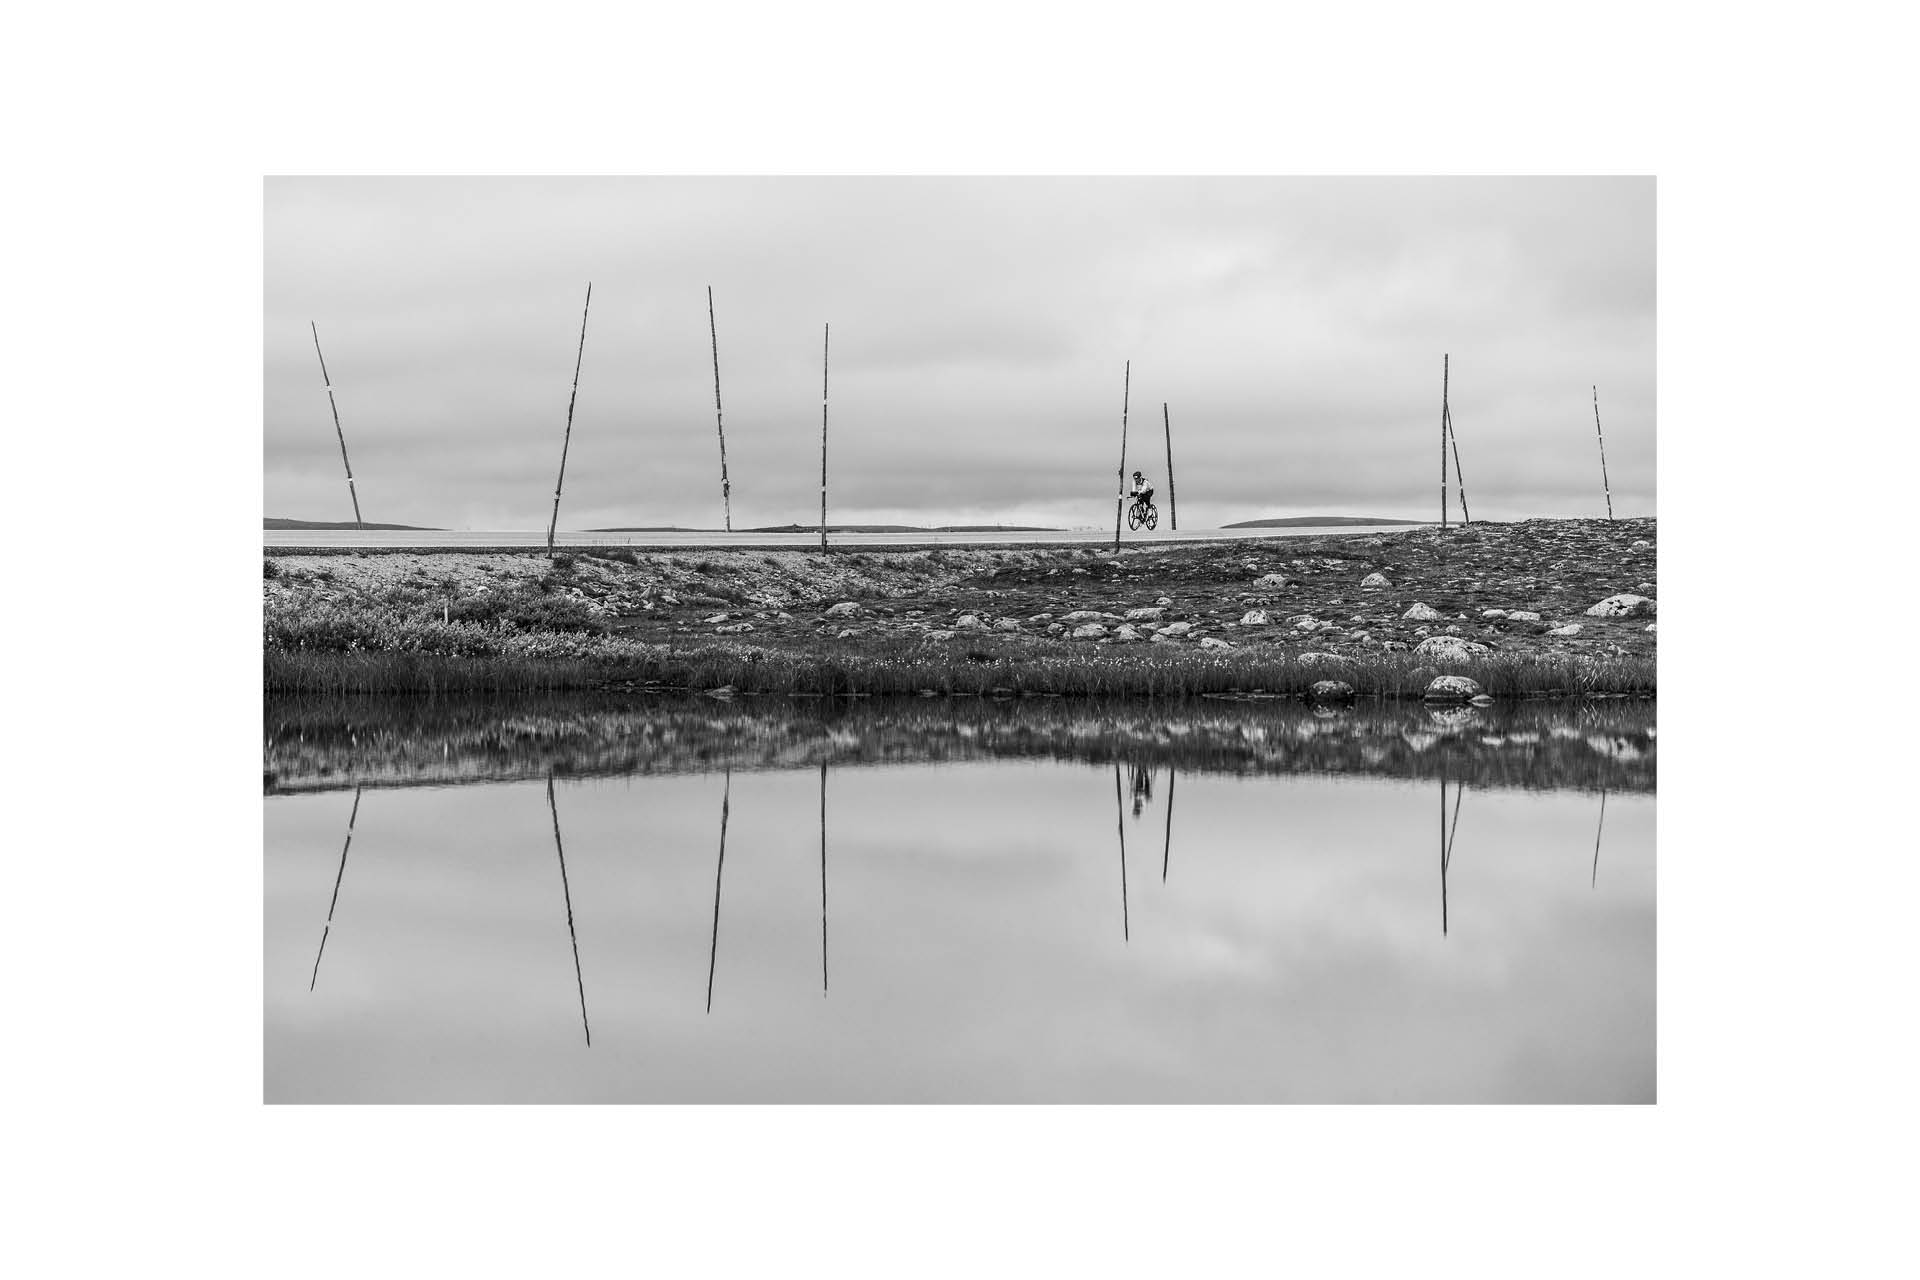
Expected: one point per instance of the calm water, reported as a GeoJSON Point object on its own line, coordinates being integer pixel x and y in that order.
{"type": "Point", "coordinates": [1094, 921]}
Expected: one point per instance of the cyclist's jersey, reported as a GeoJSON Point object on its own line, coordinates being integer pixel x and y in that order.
{"type": "Point", "coordinates": [1142, 485]}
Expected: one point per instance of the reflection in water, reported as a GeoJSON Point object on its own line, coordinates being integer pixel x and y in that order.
{"type": "Point", "coordinates": [1166, 851]}
{"type": "Point", "coordinates": [1303, 972]}
{"type": "Point", "coordinates": [823, 877]}
{"type": "Point", "coordinates": [337, 876]}
{"type": "Point", "coordinates": [1594, 882]}
{"type": "Point", "coordinates": [567, 893]}
{"type": "Point", "coordinates": [1446, 841]}
{"type": "Point", "coordinates": [719, 868]}
{"type": "Point", "coordinates": [1120, 824]}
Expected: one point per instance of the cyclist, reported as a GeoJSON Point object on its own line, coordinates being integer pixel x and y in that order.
{"type": "Point", "coordinates": [1142, 490]}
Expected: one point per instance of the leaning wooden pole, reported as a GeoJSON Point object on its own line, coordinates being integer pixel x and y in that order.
{"type": "Point", "coordinates": [351, 491]}
{"type": "Point", "coordinates": [719, 423]}
{"type": "Point", "coordinates": [826, 337]}
{"type": "Point", "coordinates": [560, 483]}
{"type": "Point", "coordinates": [1120, 503]}
{"type": "Point", "coordinates": [1444, 359]}
{"type": "Point", "coordinates": [1607, 488]}
{"type": "Point", "coordinates": [1173, 507]}
{"type": "Point", "coordinates": [1459, 480]}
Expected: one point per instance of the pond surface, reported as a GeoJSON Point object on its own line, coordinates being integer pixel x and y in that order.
{"type": "Point", "coordinates": [1061, 904]}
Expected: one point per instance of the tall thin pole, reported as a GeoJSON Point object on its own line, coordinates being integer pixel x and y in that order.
{"type": "Point", "coordinates": [713, 952]}
{"type": "Point", "coordinates": [726, 487]}
{"type": "Point", "coordinates": [1443, 855]}
{"type": "Point", "coordinates": [1459, 480]}
{"type": "Point", "coordinates": [1120, 824]}
{"type": "Point", "coordinates": [825, 337]}
{"type": "Point", "coordinates": [1603, 452]}
{"type": "Point", "coordinates": [1444, 360]}
{"type": "Point", "coordinates": [341, 873]}
{"type": "Point", "coordinates": [567, 893]}
{"type": "Point", "coordinates": [823, 877]}
{"type": "Point", "coordinates": [1120, 502]}
{"type": "Point", "coordinates": [1173, 507]}
{"type": "Point", "coordinates": [351, 491]}
{"type": "Point", "coordinates": [560, 483]}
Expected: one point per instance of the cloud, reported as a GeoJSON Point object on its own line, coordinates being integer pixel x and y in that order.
{"type": "Point", "coordinates": [1294, 327]}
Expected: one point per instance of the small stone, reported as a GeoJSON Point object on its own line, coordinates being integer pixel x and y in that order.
{"type": "Point", "coordinates": [1164, 637]}
{"type": "Point", "coordinates": [847, 633]}
{"type": "Point", "coordinates": [1314, 658]}
{"type": "Point", "coordinates": [1040, 619]}
{"type": "Point", "coordinates": [1422, 613]}
{"type": "Point", "coordinates": [1493, 613]}
{"type": "Point", "coordinates": [724, 693]}
{"type": "Point", "coordinates": [1176, 629]}
{"type": "Point", "coordinates": [1214, 642]}
{"type": "Point", "coordinates": [734, 629]}
{"type": "Point", "coordinates": [718, 617]}
{"type": "Point", "coordinates": [1640, 544]}
{"type": "Point", "coordinates": [1090, 631]}
{"type": "Point", "coordinates": [1523, 615]}
{"type": "Point", "coordinates": [1164, 602]}
{"type": "Point", "coordinates": [1332, 690]}
{"type": "Point", "coordinates": [1079, 616]}
{"type": "Point", "coordinates": [1651, 626]}
{"type": "Point", "coordinates": [1450, 648]}
{"type": "Point", "coordinates": [1452, 689]}
{"type": "Point", "coordinates": [1375, 580]}
{"type": "Point", "coordinates": [845, 609]}
{"type": "Point", "coordinates": [969, 622]}
{"type": "Point", "coordinates": [1571, 629]}
{"type": "Point", "coordinates": [1254, 618]}
{"type": "Point", "coordinates": [1152, 614]}
{"type": "Point", "coordinates": [1481, 700]}
{"type": "Point", "coordinates": [1273, 581]}
{"type": "Point", "coordinates": [1007, 624]}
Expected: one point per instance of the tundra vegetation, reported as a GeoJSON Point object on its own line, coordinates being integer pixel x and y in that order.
{"type": "Point", "coordinates": [1533, 608]}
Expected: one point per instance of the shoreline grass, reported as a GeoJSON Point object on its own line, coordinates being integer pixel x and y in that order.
{"type": "Point", "coordinates": [1145, 674]}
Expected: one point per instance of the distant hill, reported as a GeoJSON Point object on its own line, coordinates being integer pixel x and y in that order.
{"type": "Point", "coordinates": [1310, 522]}
{"type": "Point", "coordinates": [278, 522]}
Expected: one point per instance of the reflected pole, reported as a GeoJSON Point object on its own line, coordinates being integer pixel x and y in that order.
{"type": "Point", "coordinates": [1120, 825]}
{"type": "Point", "coordinates": [1173, 775]}
{"type": "Point", "coordinates": [823, 877]}
{"type": "Point", "coordinates": [567, 894]}
{"type": "Point", "coordinates": [1595, 881]}
{"type": "Point", "coordinates": [713, 951]}
{"type": "Point", "coordinates": [337, 877]}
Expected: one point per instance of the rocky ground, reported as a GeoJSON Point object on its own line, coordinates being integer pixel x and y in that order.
{"type": "Point", "coordinates": [1571, 589]}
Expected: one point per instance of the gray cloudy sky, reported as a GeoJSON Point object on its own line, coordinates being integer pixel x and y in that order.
{"type": "Point", "coordinates": [980, 326]}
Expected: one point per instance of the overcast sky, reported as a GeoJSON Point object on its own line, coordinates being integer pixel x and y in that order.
{"type": "Point", "coordinates": [1294, 327]}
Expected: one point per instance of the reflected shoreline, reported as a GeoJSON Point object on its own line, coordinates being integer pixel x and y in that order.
{"type": "Point", "coordinates": [313, 745]}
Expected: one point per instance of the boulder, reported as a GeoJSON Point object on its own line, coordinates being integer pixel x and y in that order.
{"type": "Point", "coordinates": [1272, 581]}
{"type": "Point", "coordinates": [1375, 580]}
{"type": "Point", "coordinates": [1040, 619]}
{"type": "Point", "coordinates": [1125, 634]}
{"type": "Point", "coordinates": [1523, 615]}
{"type": "Point", "coordinates": [1254, 618]}
{"type": "Point", "coordinates": [1214, 642]}
{"type": "Point", "coordinates": [969, 622]}
{"type": "Point", "coordinates": [1651, 626]}
{"type": "Point", "coordinates": [1640, 544]}
{"type": "Point", "coordinates": [1089, 631]}
{"type": "Point", "coordinates": [724, 693]}
{"type": "Point", "coordinates": [1165, 637]}
{"type": "Point", "coordinates": [1165, 602]}
{"type": "Point", "coordinates": [718, 617]}
{"type": "Point", "coordinates": [1449, 648]}
{"type": "Point", "coordinates": [1451, 689]}
{"type": "Point", "coordinates": [734, 629]}
{"type": "Point", "coordinates": [847, 633]}
{"type": "Point", "coordinates": [1150, 614]}
{"type": "Point", "coordinates": [1007, 624]}
{"type": "Point", "coordinates": [1314, 658]}
{"type": "Point", "coordinates": [941, 635]}
{"type": "Point", "coordinates": [1175, 630]}
{"type": "Point", "coordinates": [1079, 616]}
{"type": "Point", "coordinates": [845, 609]}
{"type": "Point", "coordinates": [1493, 613]}
{"type": "Point", "coordinates": [1571, 629]}
{"type": "Point", "coordinates": [1331, 690]}
{"type": "Point", "coordinates": [1422, 613]}
{"type": "Point", "coordinates": [1624, 605]}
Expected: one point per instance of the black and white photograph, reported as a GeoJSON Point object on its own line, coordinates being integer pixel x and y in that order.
{"type": "Point", "coordinates": [960, 640]}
